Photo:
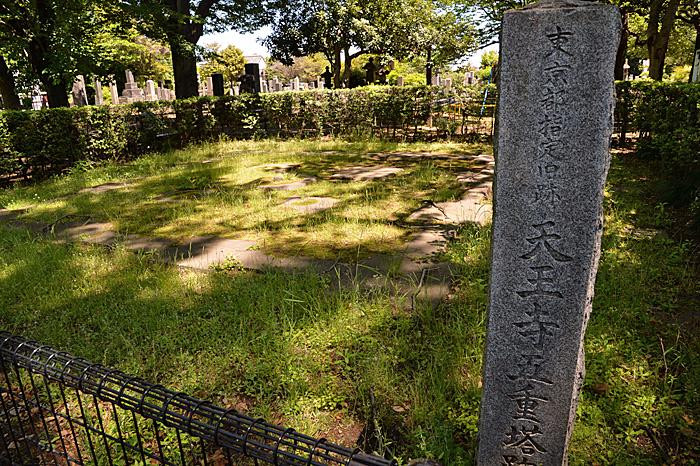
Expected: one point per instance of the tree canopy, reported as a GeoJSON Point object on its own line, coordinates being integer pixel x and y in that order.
{"type": "Point", "coordinates": [228, 61]}
{"type": "Point", "coordinates": [344, 29]}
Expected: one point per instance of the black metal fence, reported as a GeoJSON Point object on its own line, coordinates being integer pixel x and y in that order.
{"type": "Point", "coordinates": [59, 409]}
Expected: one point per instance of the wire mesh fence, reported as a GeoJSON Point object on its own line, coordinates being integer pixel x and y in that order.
{"type": "Point", "coordinates": [59, 409]}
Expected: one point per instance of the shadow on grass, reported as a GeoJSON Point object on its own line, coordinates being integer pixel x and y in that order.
{"type": "Point", "coordinates": [182, 200]}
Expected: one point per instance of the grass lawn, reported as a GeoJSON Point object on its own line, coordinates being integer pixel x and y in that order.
{"type": "Point", "coordinates": [215, 189]}
{"type": "Point", "coordinates": [350, 364]}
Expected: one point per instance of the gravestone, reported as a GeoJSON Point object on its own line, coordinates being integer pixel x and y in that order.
{"type": "Point", "coordinates": [99, 99]}
{"type": "Point", "coordinates": [78, 92]}
{"type": "Point", "coordinates": [210, 86]}
{"type": "Point", "coordinates": [253, 70]}
{"type": "Point", "coordinates": [399, 80]}
{"type": "Point", "coordinates": [217, 80]}
{"type": "Point", "coordinates": [552, 156]}
{"type": "Point", "coordinates": [469, 78]}
{"type": "Point", "coordinates": [295, 84]}
{"type": "Point", "coordinates": [131, 92]}
{"type": "Point", "coordinates": [150, 90]}
{"type": "Point", "coordinates": [114, 93]}
{"type": "Point", "coordinates": [447, 83]}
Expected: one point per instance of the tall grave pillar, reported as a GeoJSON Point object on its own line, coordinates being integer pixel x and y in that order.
{"type": "Point", "coordinates": [552, 156]}
{"type": "Point", "coordinates": [99, 99]}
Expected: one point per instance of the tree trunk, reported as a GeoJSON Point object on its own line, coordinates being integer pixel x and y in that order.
{"type": "Point", "coordinates": [10, 99]}
{"type": "Point", "coordinates": [336, 68]}
{"type": "Point", "coordinates": [39, 51]}
{"type": "Point", "coordinates": [658, 33]}
{"type": "Point", "coordinates": [183, 37]}
{"type": "Point", "coordinates": [56, 92]}
{"type": "Point", "coordinates": [347, 67]}
{"type": "Point", "coordinates": [621, 56]}
{"type": "Point", "coordinates": [185, 72]}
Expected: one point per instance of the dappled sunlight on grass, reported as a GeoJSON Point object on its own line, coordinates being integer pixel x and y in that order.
{"type": "Point", "coordinates": [215, 189]}
{"type": "Point", "coordinates": [347, 362]}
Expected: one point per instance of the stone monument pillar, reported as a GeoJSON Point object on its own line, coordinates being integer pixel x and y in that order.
{"type": "Point", "coordinates": [78, 92]}
{"type": "Point", "coordinates": [217, 80]}
{"type": "Point", "coordinates": [253, 69]}
{"type": "Point", "coordinates": [131, 92]}
{"type": "Point", "coordinates": [295, 84]}
{"type": "Point", "coordinates": [151, 90]}
{"type": "Point", "coordinates": [114, 93]}
{"type": "Point", "coordinates": [399, 80]}
{"type": "Point", "coordinates": [99, 99]}
{"type": "Point", "coordinates": [552, 156]}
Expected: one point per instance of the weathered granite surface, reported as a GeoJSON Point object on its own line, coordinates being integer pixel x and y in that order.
{"type": "Point", "coordinates": [555, 123]}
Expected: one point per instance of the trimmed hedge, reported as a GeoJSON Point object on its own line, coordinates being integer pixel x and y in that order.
{"type": "Point", "coordinates": [666, 117]}
{"type": "Point", "coordinates": [40, 143]}
{"type": "Point", "coordinates": [36, 144]}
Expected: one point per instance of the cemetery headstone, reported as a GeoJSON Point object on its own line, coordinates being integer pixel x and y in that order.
{"type": "Point", "coordinates": [99, 99]}
{"type": "Point", "coordinates": [217, 80]}
{"type": "Point", "coordinates": [447, 83]}
{"type": "Point", "coordinates": [399, 80]}
{"type": "Point", "coordinates": [253, 70]}
{"type": "Point", "coordinates": [295, 84]}
{"type": "Point", "coordinates": [327, 77]}
{"type": "Point", "coordinates": [151, 90]}
{"type": "Point", "coordinates": [210, 86]}
{"type": "Point", "coordinates": [78, 92]}
{"type": "Point", "coordinates": [696, 68]}
{"type": "Point", "coordinates": [114, 93]}
{"type": "Point", "coordinates": [556, 83]}
{"type": "Point", "coordinates": [247, 85]}
{"type": "Point", "coordinates": [131, 92]}
{"type": "Point", "coordinates": [469, 78]}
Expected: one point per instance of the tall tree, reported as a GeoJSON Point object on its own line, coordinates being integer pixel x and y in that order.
{"type": "Point", "coordinates": [54, 39]}
{"type": "Point", "coordinates": [662, 15]}
{"type": "Point", "coordinates": [183, 22]}
{"type": "Point", "coordinates": [342, 30]}
{"type": "Point", "coordinates": [8, 91]}
{"type": "Point", "coordinates": [229, 62]}
{"type": "Point", "coordinates": [689, 12]}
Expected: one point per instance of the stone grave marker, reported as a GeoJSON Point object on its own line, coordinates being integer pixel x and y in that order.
{"type": "Point", "coordinates": [217, 80]}
{"type": "Point", "coordinates": [78, 92]}
{"type": "Point", "coordinates": [253, 70]}
{"type": "Point", "coordinates": [131, 92]}
{"type": "Point", "coordinates": [552, 157]}
{"type": "Point", "coordinates": [114, 93]}
{"type": "Point", "coordinates": [151, 90]}
{"type": "Point", "coordinates": [99, 99]}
